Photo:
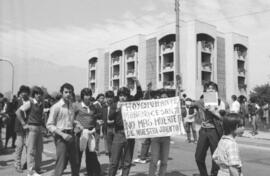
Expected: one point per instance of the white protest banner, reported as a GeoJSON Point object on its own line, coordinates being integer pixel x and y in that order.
{"type": "Point", "coordinates": [152, 118]}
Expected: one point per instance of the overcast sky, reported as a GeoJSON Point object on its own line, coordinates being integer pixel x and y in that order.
{"type": "Point", "coordinates": [64, 31]}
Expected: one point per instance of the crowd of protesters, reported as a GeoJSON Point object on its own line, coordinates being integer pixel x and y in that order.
{"type": "Point", "coordinates": [78, 126]}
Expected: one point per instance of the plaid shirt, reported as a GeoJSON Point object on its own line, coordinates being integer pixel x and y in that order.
{"type": "Point", "coordinates": [226, 155]}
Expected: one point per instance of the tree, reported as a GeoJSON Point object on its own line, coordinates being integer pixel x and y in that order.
{"type": "Point", "coordinates": [261, 94]}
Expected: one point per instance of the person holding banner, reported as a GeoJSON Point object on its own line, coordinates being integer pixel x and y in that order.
{"type": "Point", "coordinates": [160, 148]}
{"type": "Point", "coordinates": [121, 146]}
{"type": "Point", "coordinates": [211, 110]}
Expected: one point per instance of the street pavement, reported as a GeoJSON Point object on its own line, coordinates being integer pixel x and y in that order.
{"type": "Point", "coordinates": [255, 155]}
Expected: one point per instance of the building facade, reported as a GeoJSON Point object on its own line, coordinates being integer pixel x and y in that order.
{"type": "Point", "coordinates": [205, 55]}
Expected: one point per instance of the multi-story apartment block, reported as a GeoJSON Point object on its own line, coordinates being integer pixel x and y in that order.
{"type": "Point", "coordinates": [205, 55]}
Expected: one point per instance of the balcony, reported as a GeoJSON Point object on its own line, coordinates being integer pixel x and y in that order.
{"type": "Point", "coordinates": [207, 46]}
{"type": "Point", "coordinates": [92, 79]}
{"type": "Point", "coordinates": [241, 71]}
{"type": "Point", "coordinates": [168, 84]}
{"type": "Point", "coordinates": [93, 66]}
{"type": "Point", "coordinates": [207, 66]}
{"type": "Point", "coordinates": [116, 75]}
{"type": "Point", "coordinates": [131, 56]}
{"type": "Point", "coordinates": [131, 72]}
{"type": "Point", "coordinates": [167, 47]}
{"type": "Point", "coordinates": [168, 66]}
{"type": "Point", "coordinates": [116, 60]}
{"type": "Point", "coordinates": [242, 86]}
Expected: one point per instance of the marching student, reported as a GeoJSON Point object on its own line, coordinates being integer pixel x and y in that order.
{"type": "Point", "coordinates": [99, 103]}
{"type": "Point", "coordinates": [160, 148]}
{"type": "Point", "coordinates": [211, 130]}
{"type": "Point", "coordinates": [227, 153]}
{"type": "Point", "coordinates": [85, 114]}
{"type": "Point", "coordinates": [189, 121]}
{"type": "Point", "coordinates": [122, 147]}
{"type": "Point", "coordinates": [62, 124]}
{"type": "Point", "coordinates": [108, 126]}
{"type": "Point", "coordinates": [21, 128]}
{"type": "Point", "coordinates": [34, 126]}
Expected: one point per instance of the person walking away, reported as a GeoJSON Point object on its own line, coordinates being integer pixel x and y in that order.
{"type": "Point", "coordinates": [62, 124]}
{"type": "Point", "coordinates": [34, 126]}
{"type": "Point", "coordinates": [227, 153]}
{"type": "Point", "coordinates": [21, 128]}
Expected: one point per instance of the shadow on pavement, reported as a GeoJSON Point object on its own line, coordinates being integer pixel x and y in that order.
{"type": "Point", "coordinates": [172, 173]}
{"type": "Point", "coordinates": [5, 163]}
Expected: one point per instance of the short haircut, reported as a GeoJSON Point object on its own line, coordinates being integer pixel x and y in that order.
{"type": "Point", "coordinates": [92, 99]}
{"type": "Point", "coordinates": [230, 122]}
{"type": "Point", "coordinates": [67, 86]}
{"type": "Point", "coordinates": [184, 95]}
{"type": "Point", "coordinates": [86, 92]}
{"type": "Point", "coordinates": [24, 89]}
{"type": "Point", "coordinates": [123, 91]}
{"type": "Point", "coordinates": [36, 90]}
{"type": "Point", "coordinates": [234, 97]}
{"type": "Point", "coordinates": [210, 83]}
{"type": "Point", "coordinates": [100, 95]}
{"type": "Point", "coordinates": [109, 94]}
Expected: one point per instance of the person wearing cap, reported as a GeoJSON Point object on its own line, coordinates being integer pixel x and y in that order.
{"type": "Point", "coordinates": [34, 126]}
{"type": "Point", "coordinates": [62, 124]}
{"type": "Point", "coordinates": [122, 147]}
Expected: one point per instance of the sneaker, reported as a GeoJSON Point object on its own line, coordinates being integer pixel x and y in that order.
{"type": "Point", "coordinates": [138, 160]}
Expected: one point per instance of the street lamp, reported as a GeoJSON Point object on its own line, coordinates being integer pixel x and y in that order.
{"type": "Point", "coordinates": [12, 66]}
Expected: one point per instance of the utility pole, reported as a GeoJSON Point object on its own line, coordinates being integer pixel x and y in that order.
{"type": "Point", "coordinates": [177, 48]}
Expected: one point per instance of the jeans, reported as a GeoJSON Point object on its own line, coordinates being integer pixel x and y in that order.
{"type": "Point", "coordinates": [66, 151]}
{"type": "Point", "coordinates": [188, 126]}
{"type": "Point", "coordinates": [208, 137]}
{"type": "Point", "coordinates": [34, 148]}
{"type": "Point", "coordinates": [121, 148]}
{"type": "Point", "coordinates": [20, 144]}
{"type": "Point", "coordinates": [108, 137]}
{"type": "Point", "coordinates": [145, 148]}
{"type": "Point", "coordinates": [160, 148]}
{"type": "Point", "coordinates": [254, 122]}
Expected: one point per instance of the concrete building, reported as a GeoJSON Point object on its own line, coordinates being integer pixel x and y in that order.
{"type": "Point", "coordinates": [205, 55]}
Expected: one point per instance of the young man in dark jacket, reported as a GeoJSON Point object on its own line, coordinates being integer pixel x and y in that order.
{"type": "Point", "coordinates": [121, 146]}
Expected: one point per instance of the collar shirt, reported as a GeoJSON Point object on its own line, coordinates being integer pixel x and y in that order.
{"type": "Point", "coordinates": [227, 154]}
{"type": "Point", "coordinates": [85, 115]}
{"type": "Point", "coordinates": [85, 107]}
{"type": "Point", "coordinates": [61, 116]}
{"type": "Point", "coordinates": [235, 107]}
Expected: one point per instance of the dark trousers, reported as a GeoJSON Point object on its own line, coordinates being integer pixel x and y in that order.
{"type": "Point", "coordinates": [92, 163]}
{"type": "Point", "coordinates": [66, 151]}
{"type": "Point", "coordinates": [188, 126]}
{"type": "Point", "coordinates": [145, 148]}
{"type": "Point", "coordinates": [208, 137]}
{"type": "Point", "coordinates": [124, 148]}
{"type": "Point", "coordinates": [108, 137]}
